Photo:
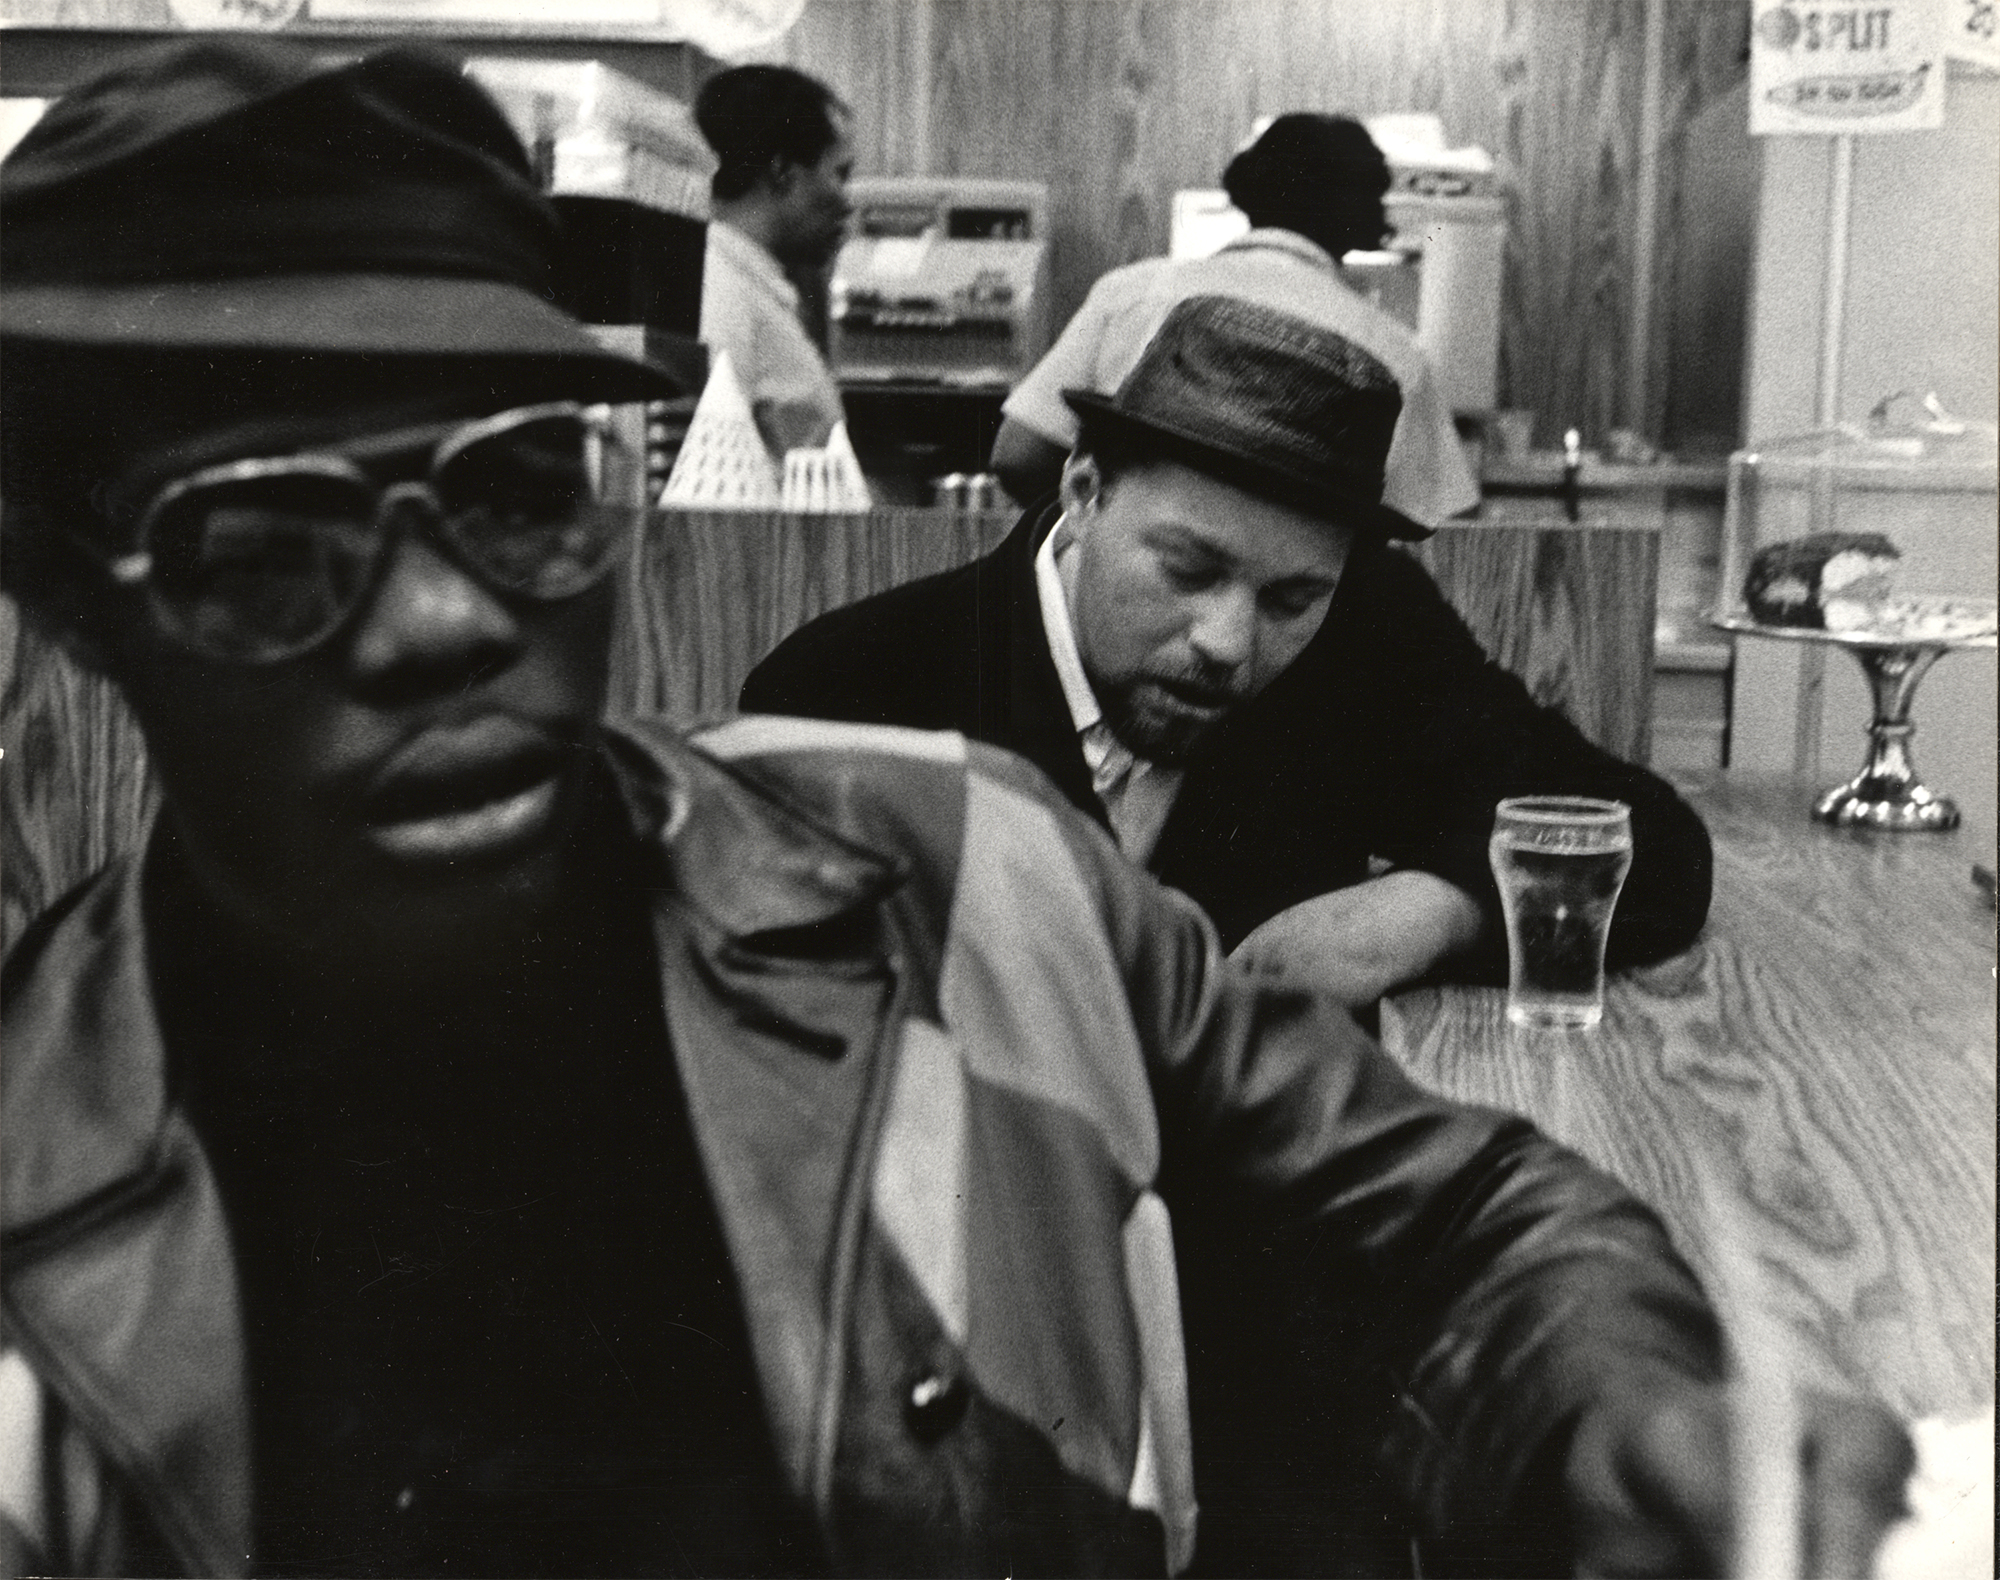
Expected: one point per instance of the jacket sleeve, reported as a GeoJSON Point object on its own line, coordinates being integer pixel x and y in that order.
{"type": "Point", "coordinates": [1507, 1282]}
{"type": "Point", "coordinates": [861, 664]}
{"type": "Point", "coordinates": [907, 657]}
{"type": "Point", "coordinates": [1463, 734]}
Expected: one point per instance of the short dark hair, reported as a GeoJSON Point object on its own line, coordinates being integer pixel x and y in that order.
{"type": "Point", "coordinates": [1320, 175]}
{"type": "Point", "coordinates": [1116, 450]}
{"type": "Point", "coordinates": [755, 115]}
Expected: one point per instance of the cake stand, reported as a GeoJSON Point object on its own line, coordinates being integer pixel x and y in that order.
{"type": "Point", "coordinates": [1887, 792]}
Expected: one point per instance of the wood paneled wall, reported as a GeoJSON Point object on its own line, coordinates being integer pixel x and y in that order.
{"type": "Point", "coordinates": [74, 787]}
{"type": "Point", "coordinates": [1569, 609]}
{"type": "Point", "coordinates": [1119, 103]}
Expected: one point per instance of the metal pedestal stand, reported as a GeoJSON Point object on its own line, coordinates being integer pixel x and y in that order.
{"type": "Point", "coordinates": [1887, 793]}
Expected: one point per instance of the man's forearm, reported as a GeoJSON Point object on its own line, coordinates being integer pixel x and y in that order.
{"type": "Point", "coordinates": [1356, 944]}
{"type": "Point", "coordinates": [1029, 463]}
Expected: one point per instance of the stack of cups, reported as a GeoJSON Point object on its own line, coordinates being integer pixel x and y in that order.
{"type": "Point", "coordinates": [967, 491]}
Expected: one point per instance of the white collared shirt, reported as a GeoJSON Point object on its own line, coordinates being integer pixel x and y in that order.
{"type": "Point", "coordinates": [750, 310]}
{"type": "Point", "coordinates": [1136, 795]}
{"type": "Point", "coordinates": [1425, 477]}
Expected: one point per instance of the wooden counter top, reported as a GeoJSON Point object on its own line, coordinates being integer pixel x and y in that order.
{"type": "Point", "coordinates": [1543, 470]}
{"type": "Point", "coordinates": [1824, 1055]}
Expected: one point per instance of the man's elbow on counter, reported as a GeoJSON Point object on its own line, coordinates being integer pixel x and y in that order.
{"type": "Point", "coordinates": [1665, 903]}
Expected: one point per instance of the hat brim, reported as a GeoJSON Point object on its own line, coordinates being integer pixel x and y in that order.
{"type": "Point", "coordinates": [1255, 474]}
{"type": "Point", "coordinates": [391, 315]}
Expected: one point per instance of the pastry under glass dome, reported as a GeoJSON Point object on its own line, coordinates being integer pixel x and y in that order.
{"type": "Point", "coordinates": [1927, 483]}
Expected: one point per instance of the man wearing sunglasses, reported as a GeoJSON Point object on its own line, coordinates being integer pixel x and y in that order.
{"type": "Point", "coordinates": [471, 1139]}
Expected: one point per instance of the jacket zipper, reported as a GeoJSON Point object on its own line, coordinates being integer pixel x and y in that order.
{"type": "Point", "coordinates": [851, 1224]}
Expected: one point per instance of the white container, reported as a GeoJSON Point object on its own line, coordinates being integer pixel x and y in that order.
{"type": "Point", "coordinates": [600, 133]}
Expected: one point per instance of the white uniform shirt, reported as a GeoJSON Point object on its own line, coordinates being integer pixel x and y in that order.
{"type": "Point", "coordinates": [1427, 476]}
{"type": "Point", "coordinates": [1136, 794]}
{"type": "Point", "coordinates": [750, 310]}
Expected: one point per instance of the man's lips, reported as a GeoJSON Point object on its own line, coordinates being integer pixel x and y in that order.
{"type": "Point", "coordinates": [465, 791]}
{"type": "Point", "coordinates": [1196, 698]}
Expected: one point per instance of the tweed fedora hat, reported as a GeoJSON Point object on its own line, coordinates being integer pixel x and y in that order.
{"type": "Point", "coordinates": [1279, 406]}
{"type": "Point", "coordinates": [242, 194]}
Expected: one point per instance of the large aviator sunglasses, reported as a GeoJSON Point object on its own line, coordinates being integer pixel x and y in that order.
{"type": "Point", "coordinates": [261, 560]}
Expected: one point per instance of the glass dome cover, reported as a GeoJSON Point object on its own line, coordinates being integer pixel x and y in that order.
{"type": "Point", "coordinates": [1906, 443]}
{"type": "Point", "coordinates": [1876, 531]}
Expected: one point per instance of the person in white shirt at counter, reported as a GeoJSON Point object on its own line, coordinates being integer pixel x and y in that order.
{"type": "Point", "coordinates": [1312, 187]}
{"type": "Point", "coordinates": [780, 201]}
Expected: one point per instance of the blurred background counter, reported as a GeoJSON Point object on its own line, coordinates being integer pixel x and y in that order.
{"type": "Point", "coordinates": [1656, 272]}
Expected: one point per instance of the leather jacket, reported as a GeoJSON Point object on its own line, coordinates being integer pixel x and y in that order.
{"type": "Point", "coordinates": [950, 1063]}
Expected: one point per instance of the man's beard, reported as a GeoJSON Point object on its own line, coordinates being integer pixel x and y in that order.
{"type": "Point", "coordinates": [1140, 714]}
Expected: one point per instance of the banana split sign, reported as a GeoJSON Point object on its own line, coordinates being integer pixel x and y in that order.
{"type": "Point", "coordinates": [1846, 68]}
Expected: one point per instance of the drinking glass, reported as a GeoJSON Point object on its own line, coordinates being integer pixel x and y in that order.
{"type": "Point", "coordinates": [1560, 862]}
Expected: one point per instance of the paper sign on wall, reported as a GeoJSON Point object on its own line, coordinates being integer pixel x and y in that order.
{"type": "Point", "coordinates": [1846, 68]}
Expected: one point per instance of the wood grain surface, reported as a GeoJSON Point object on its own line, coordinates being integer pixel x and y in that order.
{"type": "Point", "coordinates": [1569, 609]}
{"type": "Point", "coordinates": [1119, 103]}
{"type": "Point", "coordinates": [74, 790]}
{"type": "Point", "coordinates": [714, 591]}
{"type": "Point", "coordinates": [1823, 1059]}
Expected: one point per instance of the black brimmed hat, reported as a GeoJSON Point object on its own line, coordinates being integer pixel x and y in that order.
{"type": "Point", "coordinates": [240, 194]}
{"type": "Point", "coordinates": [1279, 406]}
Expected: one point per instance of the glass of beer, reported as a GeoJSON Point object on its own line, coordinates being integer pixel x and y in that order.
{"type": "Point", "coordinates": [1560, 862]}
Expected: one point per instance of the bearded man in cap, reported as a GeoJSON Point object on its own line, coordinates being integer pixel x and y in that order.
{"type": "Point", "coordinates": [472, 1138]}
{"type": "Point", "coordinates": [1207, 642]}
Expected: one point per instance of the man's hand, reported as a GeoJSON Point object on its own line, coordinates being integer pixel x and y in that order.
{"type": "Point", "coordinates": [1356, 944]}
{"type": "Point", "coordinates": [1650, 1486]}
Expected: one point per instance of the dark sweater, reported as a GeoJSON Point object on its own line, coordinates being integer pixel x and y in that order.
{"type": "Point", "coordinates": [1392, 737]}
{"type": "Point", "coordinates": [489, 1316]}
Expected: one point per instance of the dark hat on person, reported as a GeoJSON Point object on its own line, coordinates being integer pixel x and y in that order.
{"type": "Point", "coordinates": [241, 194]}
{"type": "Point", "coordinates": [1277, 405]}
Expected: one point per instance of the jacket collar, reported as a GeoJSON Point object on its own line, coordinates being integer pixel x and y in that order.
{"type": "Point", "coordinates": [85, 1093]}
{"type": "Point", "coordinates": [737, 854]}
{"type": "Point", "coordinates": [84, 1100]}
{"type": "Point", "coordinates": [1037, 722]}
{"type": "Point", "coordinates": [90, 1136]}
{"type": "Point", "coordinates": [782, 968]}
{"type": "Point", "coordinates": [118, 1273]}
